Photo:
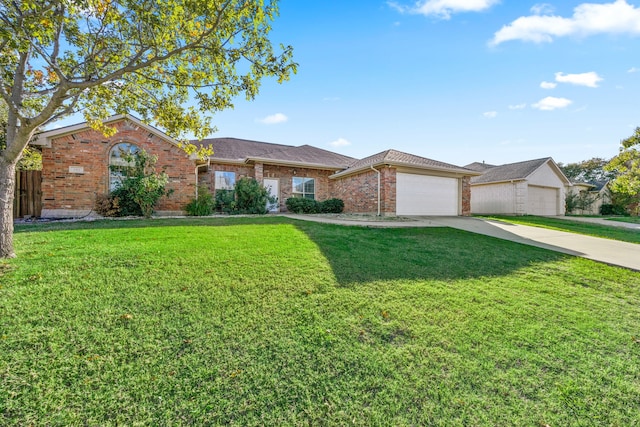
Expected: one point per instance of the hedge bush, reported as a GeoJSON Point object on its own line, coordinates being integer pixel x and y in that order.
{"type": "Point", "coordinates": [610, 209]}
{"type": "Point", "coordinates": [202, 205]}
{"type": "Point", "coordinates": [248, 197]}
{"type": "Point", "coordinates": [302, 205]}
{"type": "Point", "coordinates": [332, 206]}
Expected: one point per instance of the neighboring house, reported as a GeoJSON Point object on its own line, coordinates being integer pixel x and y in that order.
{"type": "Point", "coordinates": [596, 193]}
{"type": "Point", "coordinates": [77, 160]}
{"type": "Point", "coordinates": [533, 187]}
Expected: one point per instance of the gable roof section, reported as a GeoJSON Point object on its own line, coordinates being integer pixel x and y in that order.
{"type": "Point", "coordinates": [244, 151]}
{"type": "Point", "coordinates": [399, 158]}
{"type": "Point", "coordinates": [44, 138]}
{"type": "Point", "coordinates": [479, 167]}
{"type": "Point", "coordinates": [305, 155]}
{"type": "Point", "coordinates": [518, 171]}
{"type": "Point", "coordinates": [238, 150]}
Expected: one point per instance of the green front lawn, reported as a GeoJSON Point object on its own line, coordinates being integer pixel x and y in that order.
{"type": "Point", "coordinates": [587, 228]}
{"type": "Point", "coordinates": [270, 321]}
{"type": "Point", "coordinates": [631, 219]}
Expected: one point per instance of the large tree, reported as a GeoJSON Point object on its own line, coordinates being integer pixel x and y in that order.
{"type": "Point", "coordinates": [626, 165]}
{"type": "Point", "coordinates": [169, 62]}
{"type": "Point", "coordinates": [592, 170]}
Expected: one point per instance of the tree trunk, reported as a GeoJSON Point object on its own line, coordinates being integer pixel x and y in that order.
{"type": "Point", "coordinates": [7, 189]}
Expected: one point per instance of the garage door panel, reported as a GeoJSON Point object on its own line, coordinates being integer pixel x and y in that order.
{"type": "Point", "coordinates": [426, 195]}
{"type": "Point", "coordinates": [542, 201]}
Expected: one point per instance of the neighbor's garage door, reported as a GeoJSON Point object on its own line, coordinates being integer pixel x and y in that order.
{"type": "Point", "coordinates": [426, 195]}
{"type": "Point", "coordinates": [542, 201]}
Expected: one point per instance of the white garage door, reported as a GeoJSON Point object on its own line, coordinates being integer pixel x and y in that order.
{"type": "Point", "coordinates": [542, 201]}
{"type": "Point", "coordinates": [426, 195]}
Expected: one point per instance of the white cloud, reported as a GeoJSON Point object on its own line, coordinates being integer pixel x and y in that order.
{"type": "Point", "coordinates": [590, 79]}
{"type": "Point", "coordinates": [618, 17]}
{"type": "Point", "coordinates": [551, 103]}
{"type": "Point", "coordinates": [633, 70]}
{"type": "Point", "coordinates": [542, 9]}
{"type": "Point", "coordinates": [340, 142]}
{"type": "Point", "coordinates": [517, 107]}
{"type": "Point", "coordinates": [444, 8]}
{"type": "Point", "coordinates": [490, 114]}
{"type": "Point", "coordinates": [274, 119]}
{"type": "Point", "coordinates": [548, 85]}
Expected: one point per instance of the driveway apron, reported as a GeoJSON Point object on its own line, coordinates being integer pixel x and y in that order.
{"type": "Point", "coordinates": [609, 251]}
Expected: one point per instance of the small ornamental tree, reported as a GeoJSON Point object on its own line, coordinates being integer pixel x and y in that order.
{"type": "Point", "coordinates": [148, 57]}
{"type": "Point", "coordinates": [251, 197]}
{"type": "Point", "coordinates": [141, 187]}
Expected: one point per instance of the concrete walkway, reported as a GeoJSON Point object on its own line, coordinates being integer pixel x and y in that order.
{"type": "Point", "coordinates": [600, 221]}
{"type": "Point", "coordinates": [611, 252]}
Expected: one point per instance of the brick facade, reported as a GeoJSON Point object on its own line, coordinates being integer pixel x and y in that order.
{"type": "Point", "coordinates": [360, 191]}
{"type": "Point", "coordinates": [285, 175]}
{"type": "Point", "coordinates": [76, 168]}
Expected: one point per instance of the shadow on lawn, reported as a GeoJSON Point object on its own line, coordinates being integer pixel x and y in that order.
{"type": "Point", "coordinates": [359, 254]}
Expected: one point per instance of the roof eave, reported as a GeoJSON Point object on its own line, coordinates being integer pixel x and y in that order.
{"type": "Point", "coordinates": [292, 163]}
{"type": "Point", "coordinates": [462, 172]}
{"type": "Point", "coordinates": [502, 181]}
{"type": "Point", "coordinates": [44, 138]}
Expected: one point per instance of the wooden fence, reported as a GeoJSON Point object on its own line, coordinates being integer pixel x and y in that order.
{"type": "Point", "coordinates": [28, 195]}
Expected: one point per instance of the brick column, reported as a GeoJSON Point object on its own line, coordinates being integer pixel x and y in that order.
{"type": "Point", "coordinates": [466, 196]}
{"type": "Point", "coordinates": [258, 172]}
{"type": "Point", "coordinates": [388, 191]}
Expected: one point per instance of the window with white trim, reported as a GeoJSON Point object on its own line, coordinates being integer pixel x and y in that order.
{"type": "Point", "coordinates": [304, 187]}
{"type": "Point", "coordinates": [121, 161]}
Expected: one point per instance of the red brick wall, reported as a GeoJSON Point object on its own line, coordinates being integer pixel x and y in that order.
{"type": "Point", "coordinates": [286, 174]}
{"type": "Point", "coordinates": [466, 196]}
{"type": "Point", "coordinates": [360, 192]}
{"type": "Point", "coordinates": [63, 190]}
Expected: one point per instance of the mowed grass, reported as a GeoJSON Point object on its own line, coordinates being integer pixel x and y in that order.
{"type": "Point", "coordinates": [590, 229]}
{"type": "Point", "coordinates": [631, 219]}
{"type": "Point", "coordinates": [270, 321]}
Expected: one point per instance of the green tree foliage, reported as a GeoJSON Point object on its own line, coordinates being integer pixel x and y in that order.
{"type": "Point", "coordinates": [147, 57]}
{"type": "Point", "coordinates": [142, 187]}
{"type": "Point", "coordinates": [626, 165]}
{"type": "Point", "coordinates": [251, 197]}
{"type": "Point", "coordinates": [592, 170]}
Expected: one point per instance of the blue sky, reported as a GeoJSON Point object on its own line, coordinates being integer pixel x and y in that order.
{"type": "Point", "coordinates": [452, 80]}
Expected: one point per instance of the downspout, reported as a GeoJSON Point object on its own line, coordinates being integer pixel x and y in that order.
{"type": "Point", "coordinates": [196, 173]}
{"type": "Point", "coordinates": [378, 172]}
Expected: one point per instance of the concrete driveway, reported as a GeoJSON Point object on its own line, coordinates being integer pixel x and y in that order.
{"type": "Point", "coordinates": [611, 252]}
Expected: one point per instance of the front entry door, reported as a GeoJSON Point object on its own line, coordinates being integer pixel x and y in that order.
{"type": "Point", "coordinates": [273, 187]}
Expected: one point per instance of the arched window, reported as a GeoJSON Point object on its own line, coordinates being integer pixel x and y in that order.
{"type": "Point", "coordinates": [121, 160]}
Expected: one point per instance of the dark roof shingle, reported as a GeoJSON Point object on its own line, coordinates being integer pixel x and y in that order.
{"type": "Point", "coordinates": [511, 171]}
{"type": "Point", "coordinates": [310, 155]}
{"type": "Point", "coordinates": [400, 158]}
{"type": "Point", "coordinates": [241, 149]}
